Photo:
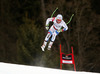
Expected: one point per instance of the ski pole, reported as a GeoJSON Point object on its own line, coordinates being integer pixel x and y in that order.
{"type": "Point", "coordinates": [70, 19]}
{"type": "Point", "coordinates": [54, 12]}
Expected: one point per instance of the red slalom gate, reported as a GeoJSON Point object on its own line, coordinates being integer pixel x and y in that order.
{"type": "Point", "coordinates": [67, 59]}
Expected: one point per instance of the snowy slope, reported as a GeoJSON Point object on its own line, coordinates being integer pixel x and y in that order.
{"type": "Point", "coordinates": [6, 68]}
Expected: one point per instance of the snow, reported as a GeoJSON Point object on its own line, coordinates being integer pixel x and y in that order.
{"type": "Point", "coordinates": [6, 68]}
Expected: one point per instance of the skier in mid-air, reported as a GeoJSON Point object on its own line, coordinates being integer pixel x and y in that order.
{"type": "Point", "coordinates": [58, 26]}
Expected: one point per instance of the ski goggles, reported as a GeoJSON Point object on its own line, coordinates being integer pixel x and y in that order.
{"type": "Point", "coordinates": [58, 20]}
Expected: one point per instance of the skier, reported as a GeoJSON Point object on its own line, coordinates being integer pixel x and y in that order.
{"type": "Point", "coordinates": [58, 26]}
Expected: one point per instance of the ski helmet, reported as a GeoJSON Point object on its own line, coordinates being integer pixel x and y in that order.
{"type": "Point", "coordinates": [59, 16]}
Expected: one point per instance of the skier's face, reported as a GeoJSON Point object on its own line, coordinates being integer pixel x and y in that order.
{"type": "Point", "coordinates": [58, 21]}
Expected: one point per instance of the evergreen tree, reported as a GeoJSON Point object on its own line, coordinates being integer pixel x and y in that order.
{"type": "Point", "coordinates": [29, 42]}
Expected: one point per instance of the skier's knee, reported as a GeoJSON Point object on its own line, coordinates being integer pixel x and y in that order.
{"type": "Point", "coordinates": [50, 32]}
{"type": "Point", "coordinates": [53, 38]}
{"type": "Point", "coordinates": [47, 37]}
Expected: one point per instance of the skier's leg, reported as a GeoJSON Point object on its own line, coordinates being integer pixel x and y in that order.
{"type": "Point", "coordinates": [52, 40]}
{"type": "Point", "coordinates": [48, 36]}
{"type": "Point", "coordinates": [50, 45]}
{"type": "Point", "coordinates": [45, 41]}
{"type": "Point", "coordinates": [43, 46]}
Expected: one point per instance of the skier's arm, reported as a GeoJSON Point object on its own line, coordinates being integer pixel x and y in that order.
{"type": "Point", "coordinates": [65, 27]}
{"type": "Point", "coordinates": [47, 22]}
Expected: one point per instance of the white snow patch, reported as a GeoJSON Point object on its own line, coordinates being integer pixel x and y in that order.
{"type": "Point", "coordinates": [6, 68]}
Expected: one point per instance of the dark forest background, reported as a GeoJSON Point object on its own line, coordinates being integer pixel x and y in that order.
{"type": "Point", "coordinates": [22, 32]}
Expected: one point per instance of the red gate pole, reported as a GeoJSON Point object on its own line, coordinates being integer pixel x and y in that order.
{"type": "Point", "coordinates": [60, 58]}
{"type": "Point", "coordinates": [73, 58]}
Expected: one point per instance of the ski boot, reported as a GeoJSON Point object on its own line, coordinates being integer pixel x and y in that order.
{"type": "Point", "coordinates": [42, 47]}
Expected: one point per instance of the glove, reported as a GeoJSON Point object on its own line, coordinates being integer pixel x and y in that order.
{"type": "Point", "coordinates": [47, 27]}
{"type": "Point", "coordinates": [59, 30]}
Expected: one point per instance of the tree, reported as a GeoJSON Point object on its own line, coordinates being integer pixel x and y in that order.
{"type": "Point", "coordinates": [29, 42]}
{"type": "Point", "coordinates": [84, 34]}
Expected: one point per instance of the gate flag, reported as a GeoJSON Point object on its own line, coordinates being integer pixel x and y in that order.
{"type": "Point", "coordinates": [67, 59]}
